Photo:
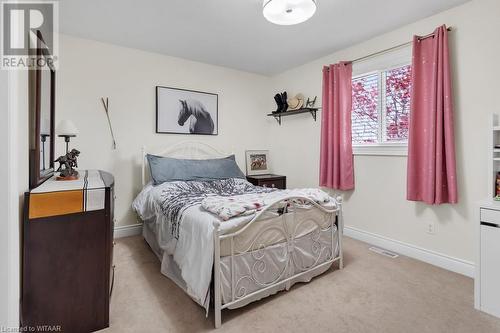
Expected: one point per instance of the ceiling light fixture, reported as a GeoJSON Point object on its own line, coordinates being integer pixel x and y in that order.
{"type": "Point", "coordinates": [288, 12]}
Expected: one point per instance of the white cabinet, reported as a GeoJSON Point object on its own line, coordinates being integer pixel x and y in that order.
{"type": "Point", "coordinates": [489, 216]}
{"type": "Point", "coordinates": [490, 270]}
{"type": "Point", "coordinates": [487, 280]}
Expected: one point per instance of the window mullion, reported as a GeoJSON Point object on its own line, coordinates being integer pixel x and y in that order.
{"type": "Point", "coordinates": [379, 107]}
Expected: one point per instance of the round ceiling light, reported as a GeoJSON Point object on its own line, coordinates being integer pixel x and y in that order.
{"type": "Point", "coordinates": [288, 12]}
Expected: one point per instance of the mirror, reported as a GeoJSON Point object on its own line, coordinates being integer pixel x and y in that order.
{"type": "Point", "coordinates": [45, 119]}
{"type": "Point", "coordinates": [42, 110]}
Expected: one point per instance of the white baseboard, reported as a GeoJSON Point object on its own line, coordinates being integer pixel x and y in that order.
{"type": "Point", "coordinates": [437, 259]}
{"type": "Point", "coordinates": [128, 230]}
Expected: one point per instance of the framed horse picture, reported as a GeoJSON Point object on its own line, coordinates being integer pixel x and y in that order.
{"type": "Point", "coordinates": [182, 111]}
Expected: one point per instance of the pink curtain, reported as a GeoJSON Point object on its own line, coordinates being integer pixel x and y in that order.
{"type": "Point", "coordinates": [336, 160]}
{"type": "Point", "coordinates": [431, 174]}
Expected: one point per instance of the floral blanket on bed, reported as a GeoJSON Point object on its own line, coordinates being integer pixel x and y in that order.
{"type": "Point", "coordinates": [177, 196]}
{"type": "Point", "coordinates": [227, 207]}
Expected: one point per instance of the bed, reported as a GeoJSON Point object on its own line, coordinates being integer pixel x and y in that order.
{"type": "Point", "coordinates": [228, 263]}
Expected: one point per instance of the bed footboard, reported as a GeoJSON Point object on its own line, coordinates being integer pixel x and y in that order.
{"type": "Point", "coordinates": [288, 222]}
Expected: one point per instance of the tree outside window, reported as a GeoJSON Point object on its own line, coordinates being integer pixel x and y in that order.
{"type": "Point", "coordinates": [381, 107]}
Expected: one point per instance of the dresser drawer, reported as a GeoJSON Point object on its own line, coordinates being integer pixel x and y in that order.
{"type": "Point", "coordinates": [490, 216]}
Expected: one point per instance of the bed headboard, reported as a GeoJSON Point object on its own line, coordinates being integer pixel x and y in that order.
{"type": "Point", "coordinates": [193, 150]}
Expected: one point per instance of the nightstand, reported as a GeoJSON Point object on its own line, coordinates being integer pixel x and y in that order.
{"type": "Point", "coordinates": [276, 181]}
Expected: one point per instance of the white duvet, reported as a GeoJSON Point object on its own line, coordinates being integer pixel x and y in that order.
{"type": "Point", "coordinates": [193, 250]}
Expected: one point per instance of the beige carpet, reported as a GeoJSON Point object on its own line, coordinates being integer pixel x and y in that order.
{"type": "Point", "coordinates": [372, 293]}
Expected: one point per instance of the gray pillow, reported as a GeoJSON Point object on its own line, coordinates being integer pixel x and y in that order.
{"type": "Point", "coordinates": [167, 169]}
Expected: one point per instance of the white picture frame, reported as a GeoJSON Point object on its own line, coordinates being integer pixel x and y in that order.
{"type": "Point", "coordinates": [257, 162]}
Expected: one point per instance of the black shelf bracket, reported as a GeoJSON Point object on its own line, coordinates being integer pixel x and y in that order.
{"type": "Point", "coordinates": [313, 114]}
{"type": "Point", "coordinates": [278, 119]}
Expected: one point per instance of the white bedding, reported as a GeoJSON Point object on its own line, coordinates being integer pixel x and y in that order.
{"type": "Point", "coordinates": [193, 250]}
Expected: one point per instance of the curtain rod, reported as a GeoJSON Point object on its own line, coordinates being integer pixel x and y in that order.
{"type": "Point", "coordinates": [392, 48]}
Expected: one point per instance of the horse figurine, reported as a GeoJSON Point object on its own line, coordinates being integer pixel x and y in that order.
{"type": "Point", "coordinates": [67, 163]}
{"type": "Point", "coordinates": [201, 122]}
{"type": "Point", "coordinates": [73, 155]}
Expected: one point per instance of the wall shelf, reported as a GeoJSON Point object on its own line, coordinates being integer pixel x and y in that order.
{"type": "Point", "coordinates": [278, 116]}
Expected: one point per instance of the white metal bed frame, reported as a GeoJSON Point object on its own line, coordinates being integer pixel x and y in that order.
{"type": "Point", "coordinates": [289, 206]}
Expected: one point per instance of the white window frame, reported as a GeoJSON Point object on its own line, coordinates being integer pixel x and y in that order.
{"type": "Point", "coordinates": [380, 64]}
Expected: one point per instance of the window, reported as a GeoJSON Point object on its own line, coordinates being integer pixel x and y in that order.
{"type": "Point", "coordinates": [381, 111]}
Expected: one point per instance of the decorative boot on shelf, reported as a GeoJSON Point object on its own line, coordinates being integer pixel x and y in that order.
{"type": "Point", "coordinates": [279, 103]}
{"type": "Point", "coordinates": [284, 101]}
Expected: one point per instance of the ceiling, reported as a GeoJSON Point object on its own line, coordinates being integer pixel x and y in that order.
{"type": "Point", "coordinates": [233, 33]}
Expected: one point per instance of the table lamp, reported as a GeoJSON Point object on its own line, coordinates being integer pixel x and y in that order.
{"type": "Point", "coordinates": [66, 129]}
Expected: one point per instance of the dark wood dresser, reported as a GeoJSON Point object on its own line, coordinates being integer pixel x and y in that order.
{"type": "Point", "coordinates": [276, 181]}
{"type": "Point", "coordinates": [67, 268]}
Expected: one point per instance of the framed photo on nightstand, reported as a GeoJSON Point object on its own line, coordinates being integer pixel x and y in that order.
{"type": "Point", "coordinates": [257, 162]}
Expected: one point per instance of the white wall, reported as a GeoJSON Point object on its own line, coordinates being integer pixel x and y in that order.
{"type": "Point", "coordinates": [4, 195]}
{"type": "Point", "coordinates": [378, 204]}
{"type": "Point", "coordinates": [13, 184]}
{"type": "Point", "coordinates": [89, 70]}
{"type": "Point", "coordinates": [18, 167]}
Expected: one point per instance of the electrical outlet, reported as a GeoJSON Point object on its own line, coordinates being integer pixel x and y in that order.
{"type": "Point", "coordinates": [431, 228]}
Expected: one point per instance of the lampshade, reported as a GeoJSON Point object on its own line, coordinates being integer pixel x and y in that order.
{"type": "Point", "coordinates": [45, 126]}
{"type": "Point", "coordinates": [288, 12]}
{"type": "Point", "coordinates": [66, 128]}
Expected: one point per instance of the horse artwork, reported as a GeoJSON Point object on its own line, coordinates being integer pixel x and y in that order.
{"type": "Point", "coordinates": [183, 111]}
{"type": "Point", "coordinates": [201, 122]}
{"type": "Point", "coordinates": [258, 162]}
